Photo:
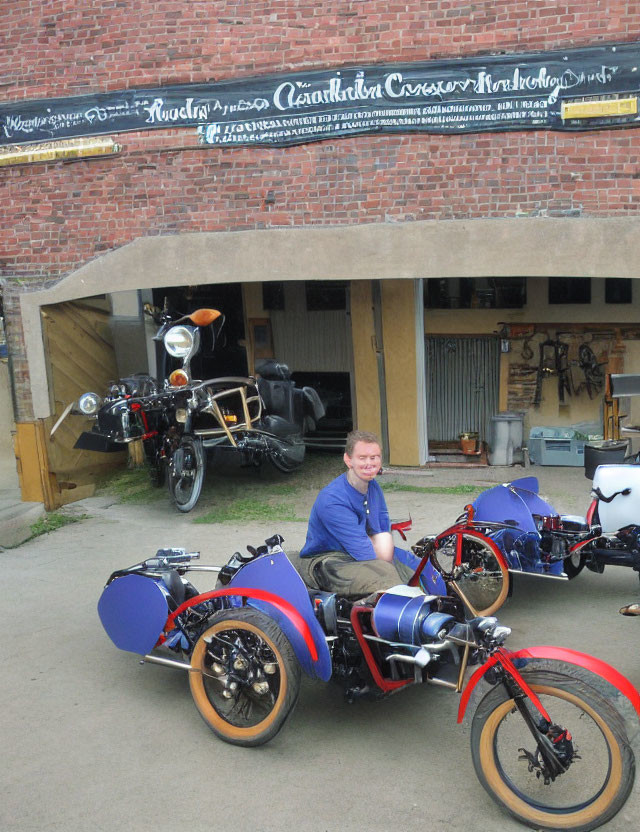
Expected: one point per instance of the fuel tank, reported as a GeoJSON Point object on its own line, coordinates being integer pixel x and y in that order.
{"type": "Point", "coordinates": [619, 498]}
{"type": "Point", "coordinates": [403, 614]}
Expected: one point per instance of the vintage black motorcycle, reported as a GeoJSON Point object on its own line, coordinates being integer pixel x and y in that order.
{"type": "Point", "coordinates": [180, 419]}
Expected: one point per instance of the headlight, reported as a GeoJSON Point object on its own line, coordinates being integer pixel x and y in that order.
{"type": "Point", "coordinates": [89, 404]}
{"type": "Point", "coordinates": [178, 341]}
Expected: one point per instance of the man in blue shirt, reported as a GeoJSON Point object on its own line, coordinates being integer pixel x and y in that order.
{"type": "Point", "coordinates": [349, 547]}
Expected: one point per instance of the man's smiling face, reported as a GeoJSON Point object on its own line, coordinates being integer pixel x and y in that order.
{"type": "Point", "coordinates": [365, 461]}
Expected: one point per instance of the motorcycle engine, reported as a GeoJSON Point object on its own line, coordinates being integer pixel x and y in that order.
{"type": "Point", "coordinates": [553, 545]}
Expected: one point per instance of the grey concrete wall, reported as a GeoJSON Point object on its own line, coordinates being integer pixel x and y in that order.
{"type": "Point", "coordinates": [8, 474]}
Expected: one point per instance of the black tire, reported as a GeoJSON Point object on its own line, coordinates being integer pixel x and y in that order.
{"type": "Point", "coordinates": [156, 464]}
{"type": "Point", "coordinates": [596, 784]}
{"type": "Point", "coordinates": [158, 475]}
{"type": "Point", "coordinates": [483, 580]}
{"type": "Point", "coordinates": [574, 564]}
{"type": "Point", "coordinates": [245, 718]}
{"type": "Point", "coordinates": [186, 472]}
{"type": "Point", "coordinates": [287, 455]}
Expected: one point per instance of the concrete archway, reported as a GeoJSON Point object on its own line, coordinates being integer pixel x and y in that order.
{"type": "Point", "coordinates": [382, 251]}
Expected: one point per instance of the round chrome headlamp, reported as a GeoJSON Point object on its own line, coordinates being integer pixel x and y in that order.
{"type": "Point", "coordinates": [178, 341]}
{"type": "Point", "coordinates": [89, 404]}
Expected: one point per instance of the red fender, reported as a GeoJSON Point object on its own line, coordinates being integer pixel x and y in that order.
{"type": "Point", "coordinates": [260, 595]}
{"type": "Point", "coordinates": [564, 654]}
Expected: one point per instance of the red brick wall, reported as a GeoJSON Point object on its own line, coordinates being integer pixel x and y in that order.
{"type": "Point", "coordinates": [54, 217]}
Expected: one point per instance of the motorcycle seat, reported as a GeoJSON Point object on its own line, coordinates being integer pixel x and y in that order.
{"type": "Point", "coordinates": [277, 397]}
{"type": "Point", "coordinates": [272, 370]}
{"type": "Point", "coordinates": [178, 590]}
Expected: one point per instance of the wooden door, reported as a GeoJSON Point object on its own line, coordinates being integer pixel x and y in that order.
{"type": "Point", "coordinates": [80, 358]}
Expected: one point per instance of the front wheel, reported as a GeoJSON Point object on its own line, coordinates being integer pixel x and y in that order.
{"type": "Point", "coordinates": [480, 577]}
{"type": "Point", "coordinates": [244, 677]}
{"type": "Point", "coordinates": [574, 564]}
{"type": "Point", "coordinates": [599, 764]}
{"type": "Point", "coordinates": [186, 473]}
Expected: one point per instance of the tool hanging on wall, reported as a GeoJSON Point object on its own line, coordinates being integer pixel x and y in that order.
{"type": "Point", "coordinates": [527, 352]}
{"type": "Point", "coordinates": [553, 361]}
{"type": "Point", "coordinates": [593, 373]}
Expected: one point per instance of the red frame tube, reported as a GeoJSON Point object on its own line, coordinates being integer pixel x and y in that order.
{"type": "Point", "coordinates": [459, 529]}
{"type": "Point", "coordinates": [137, 407]}
{"type": "Point", "coordinates": [577, 546]}
{"type": "Point", "coordinates": [260, 595]}
{"type": "Point", "coordinates": [385, 685]}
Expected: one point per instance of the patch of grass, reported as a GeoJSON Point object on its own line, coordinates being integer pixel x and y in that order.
{"type": "Point", "coordinates": [432, 489]}
{"type": "Point", "coordinates": [54, 520]}
{"type": "Point", "coordinates": [232, 493]}
{"type": "Point", "coordinates": [132, 485]}
{"type": "Point", "coordinates": [248, 509]}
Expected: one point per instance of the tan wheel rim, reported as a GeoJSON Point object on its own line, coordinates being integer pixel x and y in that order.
{"type": "Point", "coordinates": [521, 807]}
{"type": "Point", "coordinates": [199, 693]}
{"type": "Point", "coordinates": [504, 589]}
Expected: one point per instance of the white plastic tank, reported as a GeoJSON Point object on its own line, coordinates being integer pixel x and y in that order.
{"type": "Point", "coordinates": [505, 438]}
{"type": "Point", "coordinates": [620, 484]}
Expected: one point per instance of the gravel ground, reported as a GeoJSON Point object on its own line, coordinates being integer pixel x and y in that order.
{"type": "Point", "coordinates": [92, 740]}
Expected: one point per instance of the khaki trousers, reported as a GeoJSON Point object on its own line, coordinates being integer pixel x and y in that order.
{"type": "Point", "coordinates": [340, 573]}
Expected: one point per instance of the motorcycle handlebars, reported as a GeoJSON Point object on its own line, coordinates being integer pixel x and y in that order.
{"type": "Point", "coordinates": [170, 557]}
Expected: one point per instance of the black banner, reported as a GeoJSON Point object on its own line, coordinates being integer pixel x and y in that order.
{"type": "Point", "coordinates": [470, 95]}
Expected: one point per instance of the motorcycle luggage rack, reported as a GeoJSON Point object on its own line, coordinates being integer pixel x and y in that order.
{"type": "Point", "coordinates": [213, 407]}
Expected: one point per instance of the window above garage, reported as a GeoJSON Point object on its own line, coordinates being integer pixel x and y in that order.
{"type": "Point", "coordinates": [569, 290]}
{"type": "Point", "coordinates": [475, 293]}
{"type": "Point", "coordinates": [326, 295]}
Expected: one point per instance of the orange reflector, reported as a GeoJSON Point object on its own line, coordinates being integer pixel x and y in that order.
{"type": "Point", "coordinates": [204, 317]}
{"type": "Point", "coordinates": [178, 378]}
{"type": "Point", "coordinates": [230, 418]}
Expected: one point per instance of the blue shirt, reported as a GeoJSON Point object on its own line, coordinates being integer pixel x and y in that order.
{"type": "Point", "coordinates": [342, 519]}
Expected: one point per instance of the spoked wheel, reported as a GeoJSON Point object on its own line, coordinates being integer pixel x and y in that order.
{"type": "Point", "coordinates": [482, 578]}
{"type": "Point", "coordinates": [287, 455]}
{"type": "Point", "coordinates": [574, 564]}
{"type": "Point", "coordinates": [599, 764]}
{"type": "Point", "coordinates": [186, 473]}
{"type": "Point", "coordinates": [245, 677]}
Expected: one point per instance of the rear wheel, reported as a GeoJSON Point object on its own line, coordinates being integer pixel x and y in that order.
{"type": "Point", "coordinates": [245, 677]}
{"type": "Point", "coordinates": [599, 764]}
{"type": "Point", "coordinates": [186, 473]}
{"type": "Point", "coordinates": [481, 579]}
